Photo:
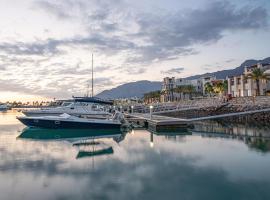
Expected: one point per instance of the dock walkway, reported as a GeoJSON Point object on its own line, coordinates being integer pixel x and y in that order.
{"type": "Point", "coordinates": [158, 122]}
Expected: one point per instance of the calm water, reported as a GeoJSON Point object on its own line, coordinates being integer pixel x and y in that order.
{"type": "Point", "coordinates": [37, 164]}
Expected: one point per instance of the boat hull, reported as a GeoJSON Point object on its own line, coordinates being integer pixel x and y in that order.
{"type": "Point", "coordinates": [58, 124]}
{"type": "Point", "coordinates": [41, 114]}
{"type": "Point", "coordinates": [3, 108]}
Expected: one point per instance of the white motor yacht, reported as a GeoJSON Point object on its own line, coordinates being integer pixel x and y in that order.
{"type": "Point", "coordinates": [70, 122]}
{"type": "Point", "coordinates": [3, 106]}
{"type": "Point", "coordinates": [85, 109]}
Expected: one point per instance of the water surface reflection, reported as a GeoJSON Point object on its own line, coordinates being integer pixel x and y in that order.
{"type": "Point", "coordinates": [198, 164]}
{"type": "Point", "coordinates": [256, 137]}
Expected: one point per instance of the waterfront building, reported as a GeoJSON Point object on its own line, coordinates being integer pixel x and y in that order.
{"type": "Point", "coordinates": [208, 79]}
{"type": "Point", "coordinates": [196, 83]}
{"type": "Point", "coordinates": [240, 86]}
{"type": "Point", "coordinates": [169, 83]}
{"type": "Point", "coordinates": [167, 89]}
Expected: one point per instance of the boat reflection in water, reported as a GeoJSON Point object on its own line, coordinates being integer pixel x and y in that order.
{"type": "Point", "coordinates": [91, 153]}
{"type": "Point", "coordinates": [88, 142]}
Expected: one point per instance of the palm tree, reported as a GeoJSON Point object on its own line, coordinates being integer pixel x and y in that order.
{"type": "Point", "coordinates": [156, 95]}
{"type": "Point", "coordinates": [163, 93]}
{"type": "Point", "coordinates": [208, 88]}
{"type": "Point", "coordinates": [188, 89]}
{"type": "Point", "coordinates": [179, 90]}
{"type": "Point", "coordinates": [218, 87]}
{"type": "Point", "coordinates": [225, 86]}
{"type": "Point", "coordinates": [257, 74]}
{"type": "Point", "coordinates": [152, 96]}
{"type": "Point", "coordinates": [146, 97]}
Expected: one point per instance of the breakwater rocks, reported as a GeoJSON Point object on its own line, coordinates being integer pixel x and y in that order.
{"type": "Point", "coordinates": [261, 118]}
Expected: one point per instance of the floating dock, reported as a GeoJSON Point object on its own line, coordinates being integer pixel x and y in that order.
{"type": "Point", "coordinates": [162, 123]}
{"type": "Point", "coordinates": [157, 122]}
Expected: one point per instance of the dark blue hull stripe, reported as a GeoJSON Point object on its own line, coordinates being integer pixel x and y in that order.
{"type": "Point", "coordinates": [66, 124]}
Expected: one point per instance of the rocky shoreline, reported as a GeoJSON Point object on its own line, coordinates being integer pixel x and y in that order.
{"type": "Point", "coordinates": [262, 118]}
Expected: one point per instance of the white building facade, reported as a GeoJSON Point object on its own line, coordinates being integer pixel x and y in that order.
{"type": "Point", "coordinates": [197, 83]}
{"type": "Point", "coordinates": [241, 86]}
{"type": "Point", "coordinates": [169, 83]}
{"type": "Point", "coordinates": [167, 89]}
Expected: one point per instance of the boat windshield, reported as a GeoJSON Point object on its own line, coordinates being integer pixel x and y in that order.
{"type": "Point", "coordinates": [66, 104]}
{"type": "Point", "coordinates": [117, 116]}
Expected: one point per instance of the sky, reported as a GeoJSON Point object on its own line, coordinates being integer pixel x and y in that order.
{"type": "Point", "coordinates": [46, 45]}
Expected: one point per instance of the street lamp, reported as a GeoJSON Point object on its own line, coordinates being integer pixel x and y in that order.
{"type": "Point", "coordinates": [132, 109]}
{"type": "Point", "coordinates": [151, 111]}
{"type": "Point", "coordinates": [121, 108]}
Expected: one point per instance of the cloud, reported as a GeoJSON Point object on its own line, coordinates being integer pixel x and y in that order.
{"type": "Point", "coordinates": [135, 70]}
{"type": "Point", "coordinates": [133, 38]}
{"type": "Point", "coordinates": [162, 36]}
{"type": "Point", "coordinates": [174, 34]}
{"type": "Point", "coordinates": [2, 67]}
{"type": "Point", "coordinates": [230, 61]}
{"type": "Point", "coordinates": [52, 8]}
{"type": "Point", "coordinates": [102, 68]}
{"type": "Point", "coordinates": [177, 70]}
{"type": "Point", "coordinates": [51, 46]}
{"type": "Point", "coordinates": [103, 81]}
{"type": "Point", "coordinates": [48, 47]}
{"type": "Point", "coordinates": [61, 87]}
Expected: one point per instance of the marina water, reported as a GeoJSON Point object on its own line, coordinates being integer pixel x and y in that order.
{"type": "Point", "coordinates": [213, 161]}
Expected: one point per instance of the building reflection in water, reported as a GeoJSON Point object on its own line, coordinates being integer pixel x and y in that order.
{"type": "Point", "coordinates": [255, 137]}
{"type": "Point", "coordinates": [178, 135]}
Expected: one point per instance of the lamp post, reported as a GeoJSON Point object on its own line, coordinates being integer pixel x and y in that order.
{"type": "Point", "coordinates": [151, 111]}
{"type": "Point", "coordinates": [132, 109]}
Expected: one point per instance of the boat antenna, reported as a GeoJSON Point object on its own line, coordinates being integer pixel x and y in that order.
{"type": "Point", "coordinates": [92, 75]}
{"type": "Point", "coordinates": [87, 94]}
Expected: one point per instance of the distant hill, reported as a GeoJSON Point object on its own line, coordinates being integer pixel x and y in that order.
{"type": "Point", "coordinates": [231, 72]}
{"type": "Point", "coordinates": [133, 89]}
{"type": "Point", "coordinates": [138, 88]}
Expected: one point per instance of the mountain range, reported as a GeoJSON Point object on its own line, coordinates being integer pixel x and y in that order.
{"type": "Point", "coordinates": [138, 88]}
{"type": "Point", "coordinates": [133, 89]}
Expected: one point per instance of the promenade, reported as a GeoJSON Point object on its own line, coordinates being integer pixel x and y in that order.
{"type": "Point", "coordinates": [182, 114]}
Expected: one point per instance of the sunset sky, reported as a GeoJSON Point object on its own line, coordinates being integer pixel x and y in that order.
{"type": "Point", "coordinates": [46, 46]}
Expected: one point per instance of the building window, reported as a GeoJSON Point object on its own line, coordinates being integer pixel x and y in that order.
{"type": "Point", "coordinates": [238, 81]}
